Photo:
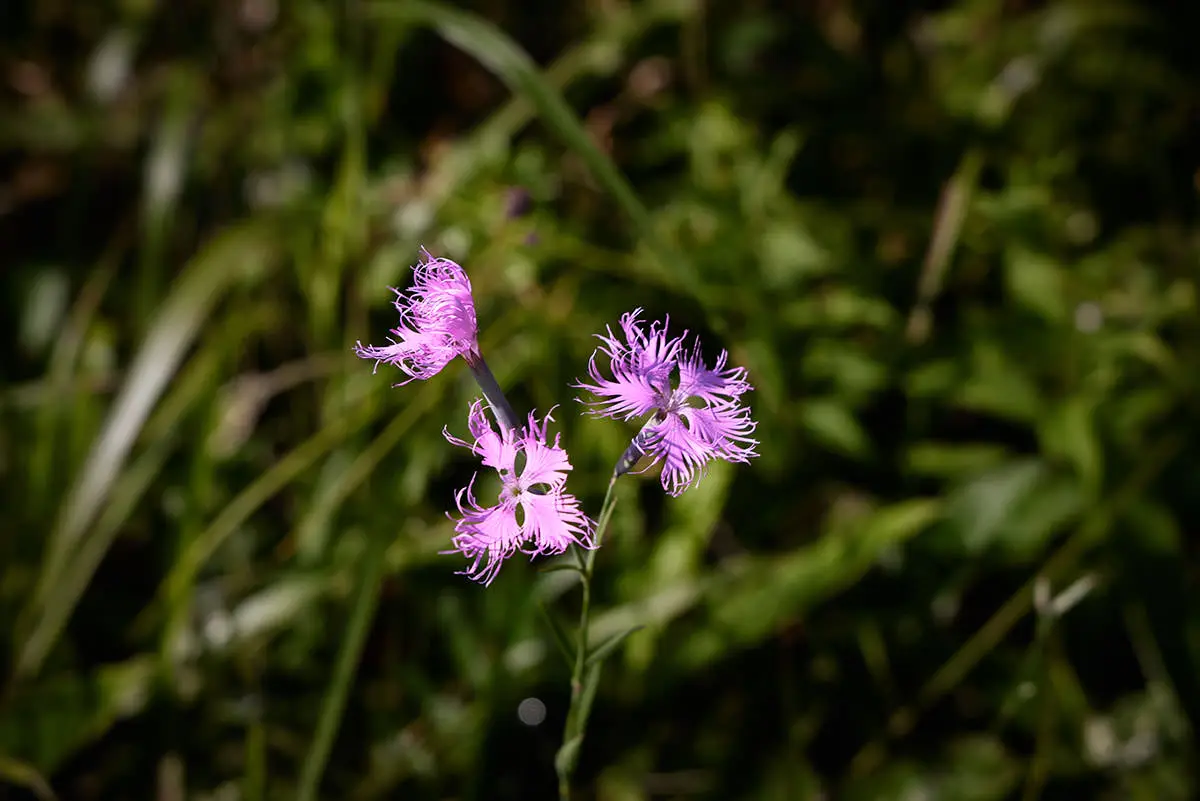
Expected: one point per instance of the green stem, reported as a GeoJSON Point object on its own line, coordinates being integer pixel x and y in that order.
{"type": "Point", "coordinates": [584, 678]}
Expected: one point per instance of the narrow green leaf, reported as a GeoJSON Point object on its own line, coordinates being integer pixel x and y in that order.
{"type": "Point", "coordinates": [835, 427]}
{"type": "Point", "coordinates": [568, 754]}
{"type": "Point", "coordinates": [591, 681]}
{"type": "Point", "coordinates": [895, 524]}
{"type": "Point", "coordinates": [561, 638]}
{"type": "Point", "coordinates": [1037, 282]}
{"type": "Point", "coordinates": [50, 720]}
{"type": "Point", "coordinates": [366, 601]}
{"type": "Point", "coordinates": [567, 757]}
{"type": "Point", "coordinates": [982, 507]}
{"type": "Point", "coordinates": [226, 261]}
{"type": "Point", "coordinates": [67, 348]}
{"type": "Point", "coordinates": [601, 651]}
{"type": "Point", "coordinates": [950, 460]}
{"type": "Point", "coordinates": [1068, 432]}
{"type": "Point", "coordinates": [1016, 507]}
{"type": "Point", "coordinates": [507, 61]}
{"type": "Point", "coordinates": [47, 622]}
{"type": "Point", "coordinates": [255, 779]}
{"type": "Point", "coordinates": [234, 514]}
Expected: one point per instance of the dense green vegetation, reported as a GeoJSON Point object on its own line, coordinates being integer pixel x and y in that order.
{"type": "Point", "coordinates": [954, 243]}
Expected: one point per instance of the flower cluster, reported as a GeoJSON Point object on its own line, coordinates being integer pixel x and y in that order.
{"type": "Point", "coordinates": [533, 514]}
{"type": "Point", "coordinates": [695, 415]}
{"type": "Point", "coordinates": [697, 412]}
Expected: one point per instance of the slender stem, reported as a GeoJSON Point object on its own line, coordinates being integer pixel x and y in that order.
{"type": "Point", "coordinates": [583, 676]}
{"type": "Point", "coordinates": [492, 392]}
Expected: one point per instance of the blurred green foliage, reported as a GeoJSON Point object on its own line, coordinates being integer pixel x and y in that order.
{"type": "Point", "coordinates": [955, 244]}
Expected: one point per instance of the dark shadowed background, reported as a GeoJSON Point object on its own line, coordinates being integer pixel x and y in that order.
{"type": "Point", "coordinates": [954, 243]}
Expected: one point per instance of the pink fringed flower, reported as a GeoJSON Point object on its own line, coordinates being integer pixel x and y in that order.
{"type": "Point", "coordinates": [437, 321]}
{"type": "Point", "coordinates": [534, 513]}
{"type": "Point", "coordinates": [697, 412]}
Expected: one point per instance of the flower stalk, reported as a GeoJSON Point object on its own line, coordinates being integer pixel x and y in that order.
{"type": "Point", "coordinates": [492, 393]}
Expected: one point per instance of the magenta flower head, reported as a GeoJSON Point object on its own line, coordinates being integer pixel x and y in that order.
{"type": "Point", "coordinates": [697, 412]}
{"type": "Point", "coordinates": [534, 513]}
{"type": "Point", "coordinates": [437, 321]}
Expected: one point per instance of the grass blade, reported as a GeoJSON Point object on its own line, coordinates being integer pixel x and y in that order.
{"type": "Point", "coordinates": [507, 61]}
{"type": "Point", "coordinates": [601, 651]}
{"type": "Point", "coordinates": [333, 705]}
{"type": "Point", "coordinates": [227, 260]}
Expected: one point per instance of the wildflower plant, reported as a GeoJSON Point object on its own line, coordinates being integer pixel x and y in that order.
{"type": "Point", "coordinates": [695, 414]}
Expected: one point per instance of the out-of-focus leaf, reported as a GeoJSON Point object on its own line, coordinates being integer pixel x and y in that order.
{"type": "Point", "coordinates": [1131, 416]}
{"type": "Point", "coordinates": [838, 307]}
{"type": "Point", "coordinates": [999, 385]}
{"type": "Point", "coordinates": [44, 307]}
{"type": "Point", "coordinates": [1045, 512]}
{"type": "Point", "coordinates": [977, 768]}
{"type": "Point", "coordinates": [231, 258]}
{"type": "Point", "coordinates": [16, 772]}
{"type": "Point", "coordinates": [764, 594]}
{"type": "Point", "coordinates": [50, 720]}
{"type": "Point", "coordinates": [362, 612]}
{"type": "Point", "coordinates": [953, 461]}
{"type": "Point", "coordinates": [1068, 433]}
{"type": "Point", "coordinates": [258, 616]}
{"type": "Point", "coordinates": [1154, 526]}
{"type": "Point", "coordinates": [679, 548]}
{"type": "Point", "coordinates": [503, 57]}
{"type": "Point", "coordinates": [853, 373]}
{"type": "Point", "coordinates": [983, 507]}
{"type": "Point", "coordinates": [892, 525]}
{"type": "Point", "coordinates": [933, 379]}
{"type": "Point", "coordinates": [974, 768]}
{"type": "Point", "coordinates": [179, 582]}
{"type": "Point", "coordinates": [1036, 282]}
{"type": "Point", "coordinates": [1014, 507]}
{"type": "Point", "coordinates": [791, 255]}
{"type": "Point", "coordinates": [606, 647]}
{"type": "Point", "coordinates": [833, 425]}
{"type": "Point", "coordinates": [901, 778]}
